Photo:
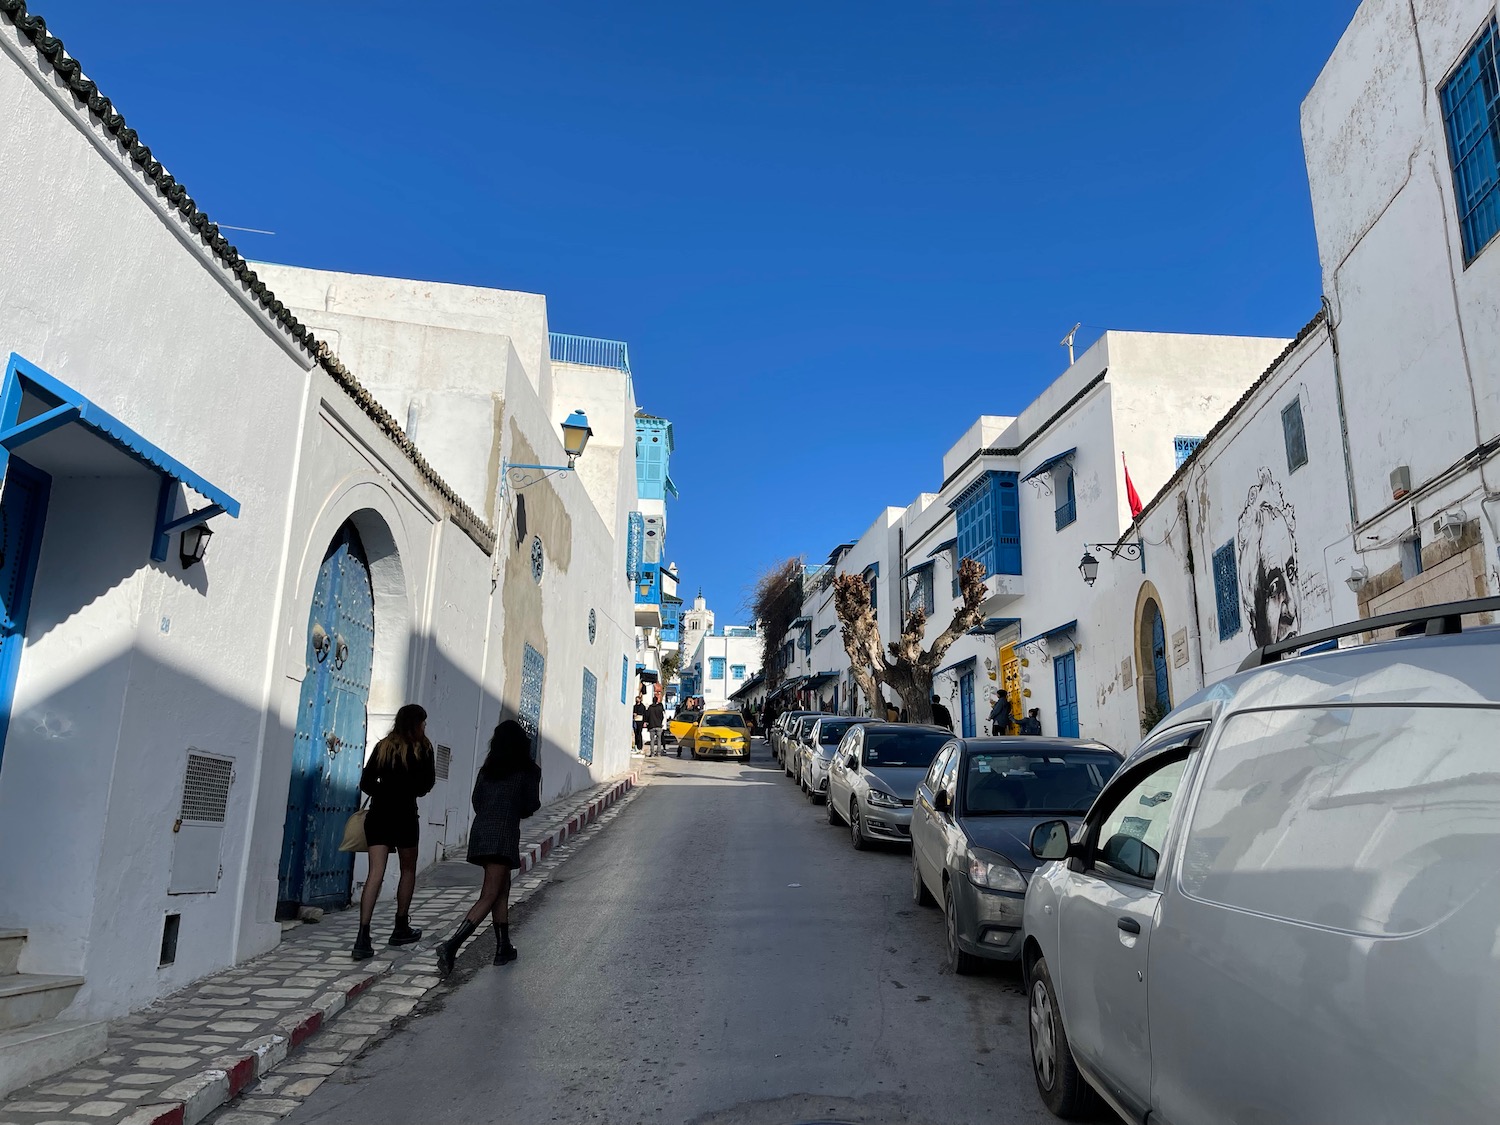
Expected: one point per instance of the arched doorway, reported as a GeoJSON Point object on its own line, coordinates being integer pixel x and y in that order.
{"type": "Point", "coordinates": [328, 748]}
{"type": "Point", "coordinates": [1156, 688]}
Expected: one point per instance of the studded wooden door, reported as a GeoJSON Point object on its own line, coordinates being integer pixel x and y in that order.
{"type": "Point", "coordinates": [328, 747]}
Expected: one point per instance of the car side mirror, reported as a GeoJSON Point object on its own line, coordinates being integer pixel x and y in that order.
{"type": "Point", "coordinates": [852, 762]}
{"type": "Point", "coordinates": [940, 801]}
{"type": "Point", "coordinates": [1051, 840]}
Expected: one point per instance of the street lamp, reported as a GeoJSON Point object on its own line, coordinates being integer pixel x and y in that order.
{"type": "Point", "coordinates": [576, 434]}
{"type": "Point", "coordinates": [1088, 566]}
{"type": "Point", "coordinates": [193, 544]}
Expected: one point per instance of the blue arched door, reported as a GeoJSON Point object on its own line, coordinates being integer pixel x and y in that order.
{"type": "Point", "coordinates": [1159, 659]}
{"type": "Point", "coordinates": [328, 748]}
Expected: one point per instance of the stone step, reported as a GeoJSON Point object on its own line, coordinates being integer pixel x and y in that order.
{"type": "Point", "coordinates": [11, 942]}
{"type": "Point", "coordinates": [27, 998]}
{"type": "Point", "coordinates": [29, 1054]}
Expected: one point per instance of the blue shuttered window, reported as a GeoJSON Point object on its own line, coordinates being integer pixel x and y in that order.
{"type": "Point", "coordinates": [715, 667]}
{"type": "Point", "coordinates": [1182, 448]}
{"type": "Point", "coordinates": [922, 595]}
{"type": "Point", "coordinates": [989, 523]}
{"type": "Point", "coordinates": [1227, 591]}
{"type": "Point", "coordinates": [635, 544]}
{"type": "Point", "coordinates": [624, 677]}
{"type": "Point", "coordinates": [736, 671]}
{"type": "Point", "coordinates": [1067, 500]}
{"type": "Point", "coordinates": [1294, 435]}
{"type": "Point", "coordinates": [586, 719]}
{"type": "Point", "coordinates": [1471, 118]}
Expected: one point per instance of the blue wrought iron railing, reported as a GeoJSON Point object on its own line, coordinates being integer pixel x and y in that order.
{"type": "Point", "coordinates": [589, 351]}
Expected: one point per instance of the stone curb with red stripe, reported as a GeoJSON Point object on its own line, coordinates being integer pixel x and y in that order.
{"type": "Point", "coordinates": [191, 1099]}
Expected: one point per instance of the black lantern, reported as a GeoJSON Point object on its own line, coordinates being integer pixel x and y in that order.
{"type": "Point", "coordinates": [1088, 566]}
{"type": "Point", "coordinates": [193, 544]}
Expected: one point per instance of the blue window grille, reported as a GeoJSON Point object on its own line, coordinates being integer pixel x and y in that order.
{"type": "Point", "coordinates": [533, 672]}
{"type": "Point", "coordinates": [624, 677]}
{"type": "Point", "coordinates": [715, 667]}
{"type": "Point", "coordinates": [736, 671]}
{"type": "Point", "coordinates": [1067, 500]}
{"type": "Point", "coordinates": [653, 451]}
{"type": "Point", "coordinates": [1227, 591]}
{"type": "Point", "coordinates": [1471, 118]}
{"type": "Point", "coordinates": [586, 719]}
{"type": "Point", "coordinates": [1183, 448]}
{"type": "Point", "coordinates": [635, 545]}
{"type": "Point", "coordinates": [923, 596]}
{"type": "Point", "coordinates": [1295, 436]}
{"type": "Point", "coordinates": [989, 523]}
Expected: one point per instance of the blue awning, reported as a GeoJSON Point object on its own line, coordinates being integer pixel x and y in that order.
{"type": "Point", "coordinates": [48, 417]}
{"type": "Point", "coordinates": [920, 566]}
{"type": "Point", "coordinates": [992, 625]}
{"type": "Point", "coordinates": [945, 545]}
{"type": "Point", "coordinates": [819, 679]}
{"type": "Point", "coordinates": [956, 665]}
{"type": "Point", "coordinates": [1071, 625]}
{"type": "Point", "coordinates": [1045, 466]}
{"type": "Point", "coordinates": [801, 621]}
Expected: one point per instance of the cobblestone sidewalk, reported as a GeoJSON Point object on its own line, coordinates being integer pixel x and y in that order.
{"type": "Point", "coordinates": [238, 1032]}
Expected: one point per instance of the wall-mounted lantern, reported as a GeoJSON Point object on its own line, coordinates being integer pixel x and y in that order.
{"type": "Point", "coordinates": [575, 435]}
{"type": "Point", "coordinates": [193, 544]}
{"type": "Point", "coordinates": [1088, 566]}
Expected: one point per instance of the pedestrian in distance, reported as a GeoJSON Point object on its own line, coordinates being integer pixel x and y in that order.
{"type": "Point", "coordinates": [1032, 723]}
{"type": "Point", "coordinates": [638, 717]}
{"type": "Point", "coordinates": [402, 769]}
{"type": "Point", "coordinates": [507, 791]}
{"type": "Point", "coordinates": [1000, 717]}
{"type": "Point", "coordinates": [655, 716]}
{"type": "Point", "coordinates": [940, 714]}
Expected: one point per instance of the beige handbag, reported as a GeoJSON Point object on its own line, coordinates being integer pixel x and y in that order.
{"type": "Point", "coordinates": [354, 831]}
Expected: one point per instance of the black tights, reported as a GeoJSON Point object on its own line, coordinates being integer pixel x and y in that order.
{"type": "Point", "coordinates": [494, 897]}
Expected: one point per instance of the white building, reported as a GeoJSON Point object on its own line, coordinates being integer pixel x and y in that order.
{"type": "Point", "coordinates": [182, 740]}
{"type": "Point", "coordinates": [723, 662]}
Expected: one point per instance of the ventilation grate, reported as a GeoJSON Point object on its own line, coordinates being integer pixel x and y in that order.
{"type": "Point", "coordinates": [205, 789]}
{"type": "Point", "coordinates": [444, 762]}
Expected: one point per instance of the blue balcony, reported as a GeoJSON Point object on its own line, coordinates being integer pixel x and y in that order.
{"type": "Point", "coordinates": [589, 352]}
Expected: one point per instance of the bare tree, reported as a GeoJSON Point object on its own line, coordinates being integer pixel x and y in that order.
{"type": "Point", "coordinates": [671, 664]}
{"type": "Point", "coordinates": [904, 666]}
{"type": "Point", "coordinates": [776, 602]}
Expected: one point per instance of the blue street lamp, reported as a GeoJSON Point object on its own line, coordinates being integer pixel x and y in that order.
{"type": "Point", "coordinates": [575, 434]}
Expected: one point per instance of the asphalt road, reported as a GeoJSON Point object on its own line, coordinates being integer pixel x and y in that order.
{"type": "Point", "coordinates": [719, 954]}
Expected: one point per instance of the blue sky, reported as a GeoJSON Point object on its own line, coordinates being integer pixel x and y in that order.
{"type": "Point", "coordinates": [831, 233]}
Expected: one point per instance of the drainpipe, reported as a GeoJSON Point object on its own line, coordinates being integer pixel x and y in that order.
{"type": "Point", "coordinates": [1187, 531]}
{"type": "Point", "coordinates": [1338, 386]}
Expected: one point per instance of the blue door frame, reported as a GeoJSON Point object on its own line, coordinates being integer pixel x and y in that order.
{"type": "Point", "coordinates": [1065, 673]}
{"type": "Point", "coordinates": [966, 703]}
{"type": "Point", "coordinates": [23, 514]}
{"type": "Point", "coordinates": [328, 748]}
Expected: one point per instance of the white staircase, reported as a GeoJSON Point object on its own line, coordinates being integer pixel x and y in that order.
{"type": "Point", "coordinates": [34, 1043]}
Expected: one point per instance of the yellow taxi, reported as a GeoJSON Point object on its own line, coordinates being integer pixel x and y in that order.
{"type": "Point", "coordinates": [681, 727]}
{"type": "Point", "coordinates": [721, 734]}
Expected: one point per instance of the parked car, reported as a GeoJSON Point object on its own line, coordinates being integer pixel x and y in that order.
{"type": "Point", "coordinates": [800, 746]}
{"type": "Point", "coordinates": [874, 778]}
{"type": "Point", "coordinates": [1283, 907]}
{"type": "Point", "coordinates": [971, 832]}
{"type": "Point", "coordinates": [721, 734]}
{"type": "Point", "coordinates": [680, 727]}
{"type": "Point", "coordinates": [791, 742]}
{"type": "Point", "coordinates": [783, 730]}
{"type": "Point", "coordinates": [823, 743]}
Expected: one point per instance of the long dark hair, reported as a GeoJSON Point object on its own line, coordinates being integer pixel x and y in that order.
{"type": "Point", "coordinates": [510, 751]}
{"type": "Point", "coordinates": [404, 742]}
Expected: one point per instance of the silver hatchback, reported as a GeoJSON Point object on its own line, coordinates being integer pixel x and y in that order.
{"type": "Point", "coordinates": [1284, 906]}
{"type": "Point", "coordinates": [823, 744]}
{"type": "Point", "coordinates": [873, 779]}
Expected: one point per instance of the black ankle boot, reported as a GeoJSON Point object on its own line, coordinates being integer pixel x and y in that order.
{"type": "Point", "coordinates": [449, 949]}
{"type": "Point", "coordinates": [505, 953]}
{"type": "Point", "coordinates": [402, 933]}
{"type": "Point", "coordinates": [362, 950]}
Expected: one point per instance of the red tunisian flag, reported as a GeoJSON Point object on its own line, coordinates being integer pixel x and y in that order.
{"type": "Point", "coordinates": [1131, 494]}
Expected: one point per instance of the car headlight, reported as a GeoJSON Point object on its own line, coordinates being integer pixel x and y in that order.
{"type": "Point", "coordinates": [707, 738]}
{"type": "Point", "coordinates": [995, 872]}
{"type": "Point", "coordinates": [882, 800]}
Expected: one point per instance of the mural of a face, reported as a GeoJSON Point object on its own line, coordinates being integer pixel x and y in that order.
{"type": "Point", "coordinates": [1267, 546]}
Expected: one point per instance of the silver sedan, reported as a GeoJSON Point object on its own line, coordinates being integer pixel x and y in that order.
{"type": "Point", "coordinates": [824, 742]}
{"type": "Point", "coordinates": [873, 780]}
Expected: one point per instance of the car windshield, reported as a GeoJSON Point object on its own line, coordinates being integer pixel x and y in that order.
{"type": "Point", "coordinates": [906, 748]}
{"type": "Point", "coordinates": [1064, 781]}
{"type": "Point", "coordinates": [731, 719]}
{"type": "Point", "coordinates": [829, 734]}
{"type": "Point", "coordinates": [688, 716]}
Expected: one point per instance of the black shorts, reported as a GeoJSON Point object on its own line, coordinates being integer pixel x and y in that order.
{"type": "Point", "coordinates": [384, 828]}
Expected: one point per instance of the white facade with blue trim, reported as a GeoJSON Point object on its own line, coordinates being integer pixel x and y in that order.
{"type": "Point", "coordinates": [173, 724]}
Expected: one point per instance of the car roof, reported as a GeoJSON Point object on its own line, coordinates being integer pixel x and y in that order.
{"type": "Point", "coordinates": [846, 718]}
{"type": "Point", "coordinates": [1031, 744]}
{"type": "Point", "coordinates": [911, 726]}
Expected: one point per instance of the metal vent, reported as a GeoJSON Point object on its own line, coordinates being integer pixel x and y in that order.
{"type": "Point", "coordinates": [444, 761]}
{"type": "Point", "coordinates": [205, 789]}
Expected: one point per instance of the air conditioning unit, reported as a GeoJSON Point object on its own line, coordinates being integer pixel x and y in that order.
{"type": "Point", "coordinates": [1400, 481]}
{"type": "Point", "coordinates": [1449, 525]}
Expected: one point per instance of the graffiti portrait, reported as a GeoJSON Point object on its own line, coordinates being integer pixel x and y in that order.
{"type": "Point", "coordinates": [1267, 549]}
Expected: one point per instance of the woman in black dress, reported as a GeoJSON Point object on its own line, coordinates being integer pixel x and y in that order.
{"type": "Point", "coordinates": [507, 791]}
{"type": "Point", "coordinates": [402, 768]}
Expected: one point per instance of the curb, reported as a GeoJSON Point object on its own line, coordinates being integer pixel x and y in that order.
{"type": "Point", "coordinates": [193, 1098]}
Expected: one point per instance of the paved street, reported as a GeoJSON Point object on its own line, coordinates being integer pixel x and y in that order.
{"type": "Point", "coordinates": [725, 956]}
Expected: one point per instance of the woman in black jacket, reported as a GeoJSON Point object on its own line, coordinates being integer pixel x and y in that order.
{"type": "Point", "coordinates": [507, 791]}
{"type": "Point", "coordinates": [402, 768]}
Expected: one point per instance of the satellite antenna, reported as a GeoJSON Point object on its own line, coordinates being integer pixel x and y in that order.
{"type": "Point", "coordinates": [1067, 341]}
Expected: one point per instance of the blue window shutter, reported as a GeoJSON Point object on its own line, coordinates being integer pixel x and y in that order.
{"type": "Point", "coordinates": [716, 667]}
{"type": "Point", "coordinates": [1182, 448]}
{"type": "Point", "coordinates": [586, 718]}
{"type": "Point", "coordinates": [635, 544]}
{"type": "Point", "coordinates": [1067, 499]}
{"type": "Point", "coordinates": [1471, 117]}
{"type": "Point", "coordinates": [1294, 435]}
{"type": "Point", "coordinates": [624, 677]}
{"type": "Point", "coordinates": [1227, 591]}
{"type": "Point", "coordinates": [1008, 524]}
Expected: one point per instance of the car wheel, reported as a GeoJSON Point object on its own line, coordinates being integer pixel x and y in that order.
{"type": "Point", "coordinates": [919, 892]}
{"type": "Point", "coordinates": [1058, 1080]}
{"type": "Point", "coordinates": [833, 809]}
{"type": "Point", "coordinates": [856, 830]}
{"type": "Point", "coordinates": [960, 962]}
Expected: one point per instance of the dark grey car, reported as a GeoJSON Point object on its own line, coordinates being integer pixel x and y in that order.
{"type": "Point", "coordinates": [971, 831]}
